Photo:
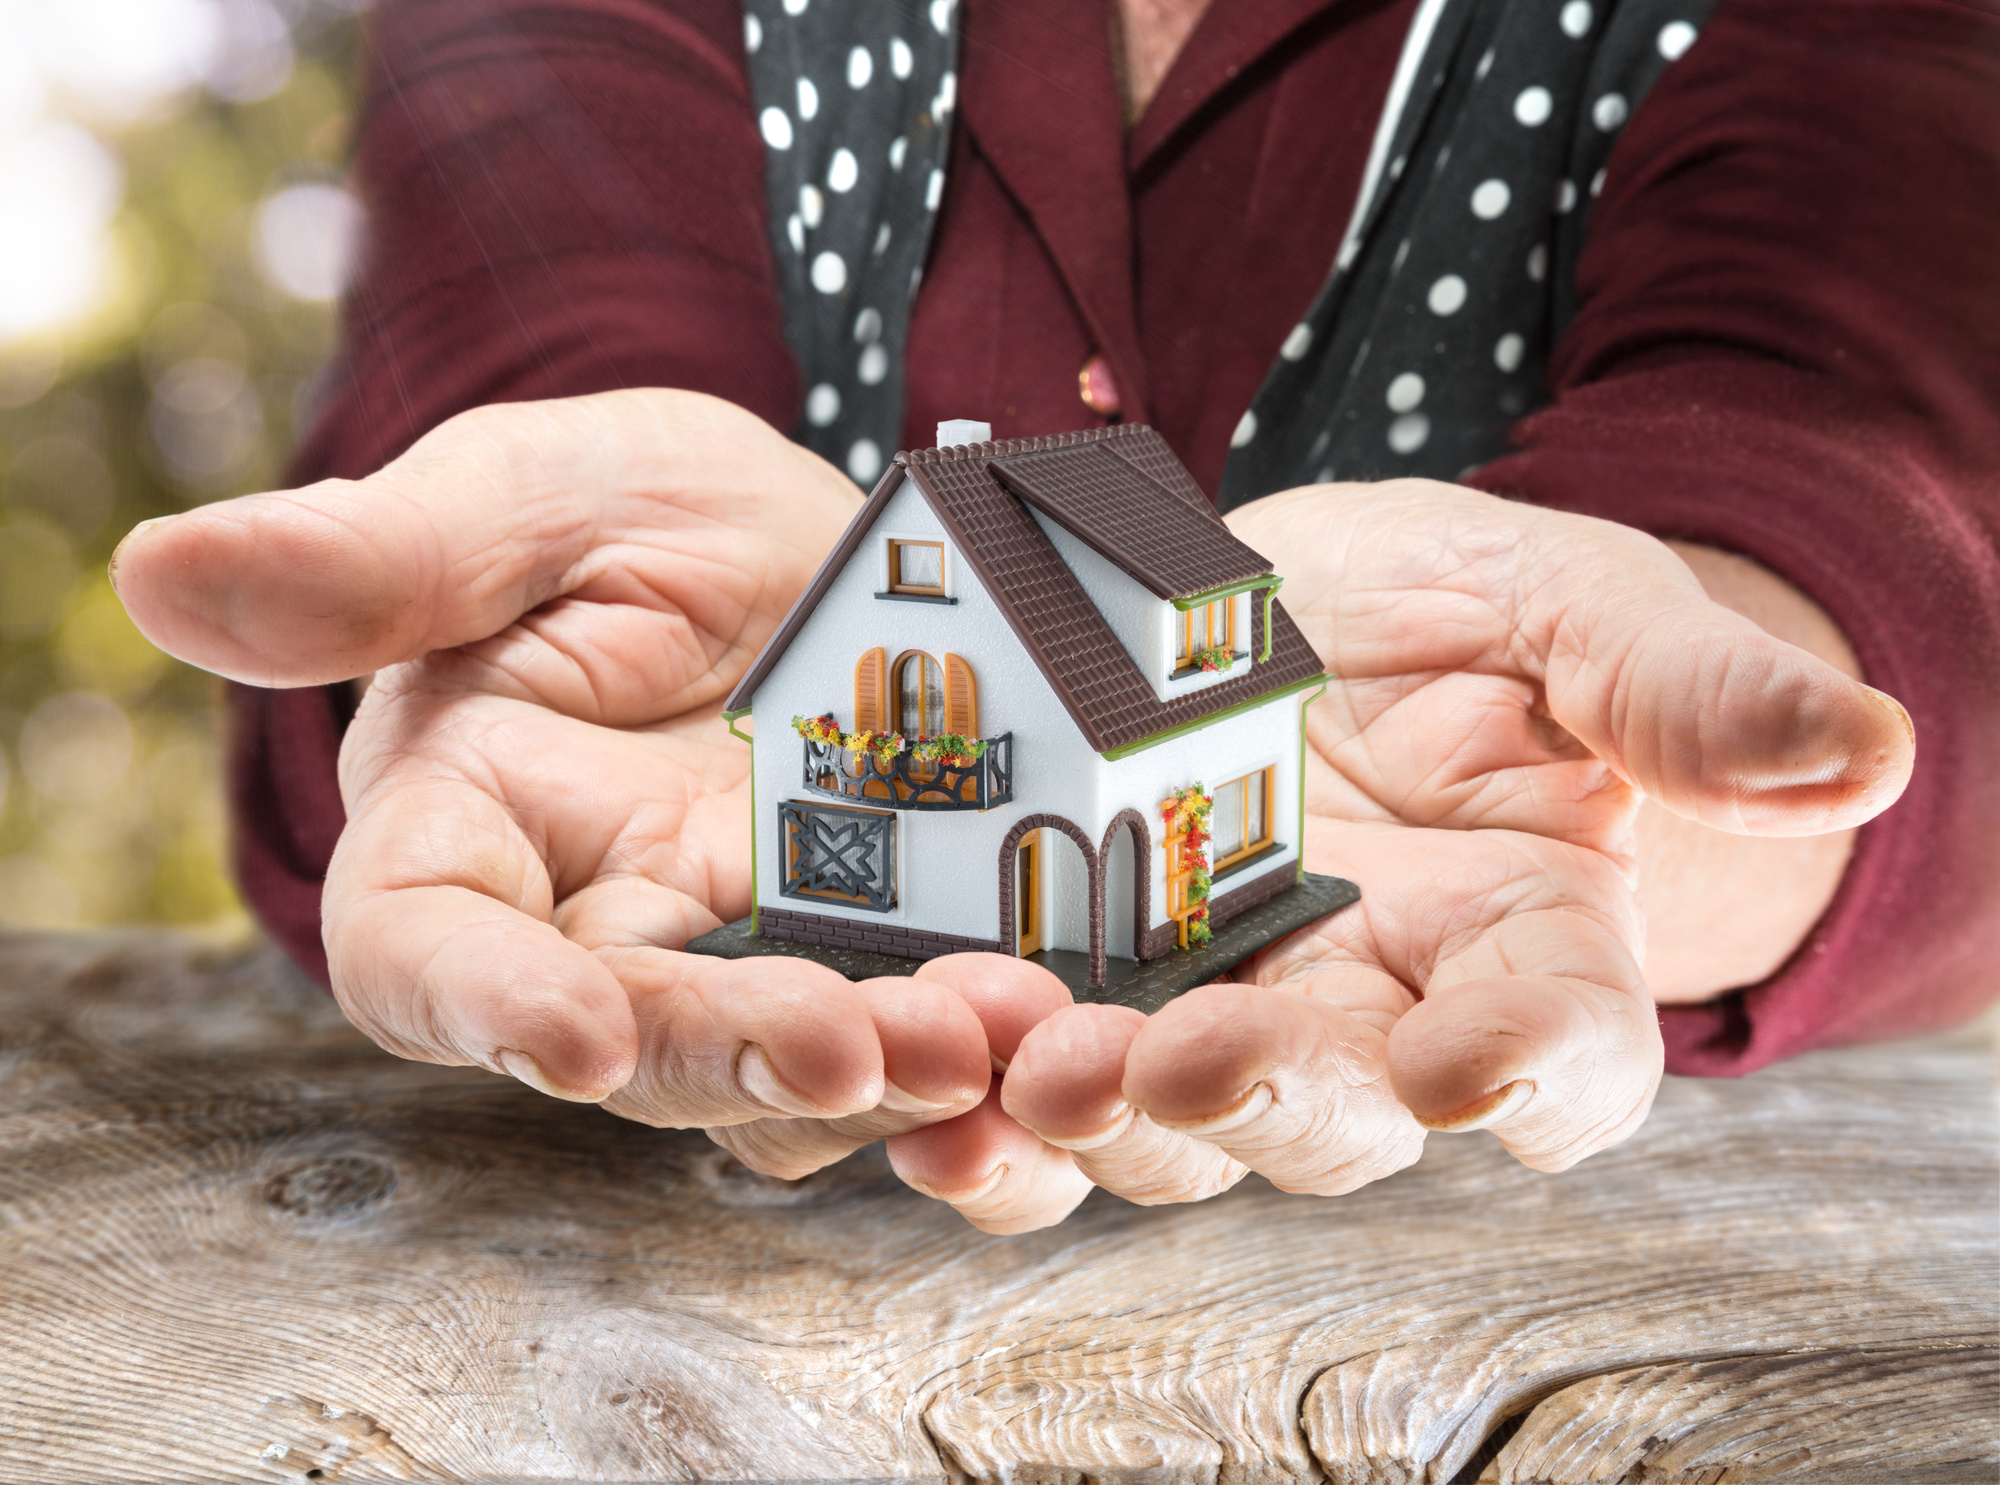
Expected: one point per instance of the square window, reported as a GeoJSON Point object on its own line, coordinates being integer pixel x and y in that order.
{"type": "Point", "coordinates": [1240, 824]}
{"type": "Point", "coordinates": [838, 854]}
{"type": "Point", "coordinates": [917, 567]}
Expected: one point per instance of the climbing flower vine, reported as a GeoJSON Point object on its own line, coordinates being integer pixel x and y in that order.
{"type": "Point", "coordinates": [1185, 813]}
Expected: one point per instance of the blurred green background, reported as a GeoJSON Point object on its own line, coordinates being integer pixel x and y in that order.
{"type": "Point", "coordinates": [173, 234]}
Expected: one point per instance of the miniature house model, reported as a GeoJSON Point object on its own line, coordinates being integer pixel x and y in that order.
{"type": "Point", "coordinates": [973, 728]}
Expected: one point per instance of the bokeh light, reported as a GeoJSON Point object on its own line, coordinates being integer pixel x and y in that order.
{"type": "Point", "coordinates": [176, 232]}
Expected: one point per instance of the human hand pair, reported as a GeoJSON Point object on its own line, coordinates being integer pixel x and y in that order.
{"type": "Point", "coordinates": [544, 808]}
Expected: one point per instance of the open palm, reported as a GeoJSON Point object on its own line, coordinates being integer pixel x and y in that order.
{"type": "Point", "coordinates": [1513, 685]}
{"type": "Point", "coordinates": [543, 805]}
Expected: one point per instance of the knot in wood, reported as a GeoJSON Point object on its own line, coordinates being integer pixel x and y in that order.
{"type": "Point", "coordinates": [337, 1186]}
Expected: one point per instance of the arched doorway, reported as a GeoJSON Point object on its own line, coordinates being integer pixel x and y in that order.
{"type": "Point", "coordinates": [1061, 864]}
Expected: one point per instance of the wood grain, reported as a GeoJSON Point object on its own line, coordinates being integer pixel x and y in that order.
{"type": "Point", "coordinates": [237, 1243]}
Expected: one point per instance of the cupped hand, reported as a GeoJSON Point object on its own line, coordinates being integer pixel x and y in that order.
{"type": "Point", "coordinates": [1513, 684]}
{"type": "Point", "coordinates": [543, 804]}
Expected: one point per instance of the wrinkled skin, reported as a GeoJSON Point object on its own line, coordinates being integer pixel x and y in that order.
{"type": "Point", "coordinates": [544, 807]}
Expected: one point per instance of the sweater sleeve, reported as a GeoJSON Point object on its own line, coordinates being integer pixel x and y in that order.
{"type": "Point", "coordinates": [1788, 345]}
{"type": "Point", "coordinates": [561, 199]}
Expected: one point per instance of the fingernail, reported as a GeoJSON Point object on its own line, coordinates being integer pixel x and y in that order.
{"type": "Point", "coordinates": [971, 1193]}
{"type": "Point", "coordinates": [1891, 704]}
{"type": "Point", "coordinates": [998, 1066]}
{"type": "Point", "coordinates": [902, 1101]}
{"type": "Point", "coordinates": [760, 1080]}
{"type": "Point", "coordinates": [118, 553]}
{"type": "Point", "coordinates": [1482, 1112]}
{"type": "Point", "coordinates": [524, 1069]}
{"type": "Point", "coordinates": [1115, 1130]}
{"type": "Point", "coordinates": [1246, 1108]}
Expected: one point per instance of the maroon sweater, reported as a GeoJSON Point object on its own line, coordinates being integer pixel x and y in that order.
{"type": "Point", "coordinates": [1788, 345]}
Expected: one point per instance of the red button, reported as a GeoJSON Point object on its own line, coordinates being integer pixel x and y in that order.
{"type": "Point", "coordinates": [1096, 387]}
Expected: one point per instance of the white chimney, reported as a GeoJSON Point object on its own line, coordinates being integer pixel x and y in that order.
{"type": "Point", "coordinates": [955, 431]}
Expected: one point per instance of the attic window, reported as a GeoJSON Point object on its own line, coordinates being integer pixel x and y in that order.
{"type": "Point", "coordinates": [917, 568]}
{"type": "Point", "coordinates": [1211, 626]}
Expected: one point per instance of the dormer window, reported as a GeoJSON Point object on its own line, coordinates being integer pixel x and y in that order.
{"type": "Point", "coordinates": [1204, 630]}
{"type": "Point", "coordinates": [916, 568]}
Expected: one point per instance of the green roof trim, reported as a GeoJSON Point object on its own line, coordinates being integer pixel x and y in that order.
{"type": "Point", "coordinates": [1229, 590]}
{"type": "Point", "coordinates": [1305, 683]}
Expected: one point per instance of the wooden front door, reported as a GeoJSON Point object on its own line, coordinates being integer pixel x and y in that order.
{"type": "Point", "coordinates": [1028, 892]}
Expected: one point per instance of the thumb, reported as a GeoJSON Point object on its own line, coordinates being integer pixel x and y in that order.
{"type": "Point", "coordinates": [487, 516]}
{"type": "Point", "coordinates": [1717, 719]}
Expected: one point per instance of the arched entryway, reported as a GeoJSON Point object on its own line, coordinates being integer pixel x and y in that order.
{"type": "Point", "coordinates": [1065, 919]}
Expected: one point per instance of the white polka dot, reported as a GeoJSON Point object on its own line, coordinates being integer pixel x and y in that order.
{"type": "Point", "coordinates": [860, 67]}
{"type": "Point", "coordinates": [1563, 201]}
{"type": "Point", "coordinates": [829, 274]}
{"type": "Point", "coordinates": [1491, 199]}
{"type": "Point", "coordinates": [1406, 393]}
{"type": "Point", "coordinates": [1597, 185]}
{"type": "Point", "coordinates": [1534, 106]}
{"type": "Point", "coordinates": [1538, 262]}
{"type": "Point", "coordinates": [1675, 38]}
{"type": "Point", "coordinates": [1609, 111]}
{"type": "Point", "coordinates": [868, 327]}
{"type": "Point", "coordinates": [843, 171]}
{"type": "Point", "coordinates": [900, 59]}
{"type": "Point", "coordinates": [882, 235]}
{"type": "Point", "coordinates": [934, 191]}
{"type": "Point", "coordinates": [1246, 429]}
{"type": "Point", "coordinates": [823, 405]}
{"type": "Point", "coordinates": [864, 461]}
{"type": "Point", "coordinates": [1396, 167]}
{"type": "Point", "coordinates": [947, 96]}
{"type": "Point", "coordinates": [1402, 256]}
{"type": "Point", "coordinates": [1485, 66]}
{"type": "Point", "coordinates": [1297, 343]}
{"type": "Point", "coordinates": [1349, 251]}
{"type": "Point", "coordinates": [808, 98]}
{"type": "Point", "coordinates": [1507, 354]}
{"type": "Point", "coordinates": [796, 231]}
{"type": "Point", "coordinates": [1409, 433]}
{"type": "Point", "coordinates": [753, 33]}
{"type": "Point", "coordinates": [941, 16]}
{"type": "Point", "coordinates": [1447, 295]}
{"type": "Point", "coordinates": [776, 127]}
{"type": "Point", "coordinates": [899, 148]}
{"type": "Point", "coordinates": [873, 366]}
{"type": "Point", "coordinates": [795, 7]}
{"type": "Point", "coordinates": [812, 205]}
{"type": "Point", "coordinates": [1576, 18]}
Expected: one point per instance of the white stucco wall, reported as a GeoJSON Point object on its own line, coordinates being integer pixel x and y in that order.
{"type": "Point", "coordinates": [948, 861]}
{"type": "Point", "coordinates": [1149, 627]}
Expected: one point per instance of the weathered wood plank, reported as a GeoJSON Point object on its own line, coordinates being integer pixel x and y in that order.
{"type": "Point", "coordinates": [238, 1243]}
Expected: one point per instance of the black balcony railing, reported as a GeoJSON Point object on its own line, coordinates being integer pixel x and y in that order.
{"type": "Point", "coordinates": [904, 783]}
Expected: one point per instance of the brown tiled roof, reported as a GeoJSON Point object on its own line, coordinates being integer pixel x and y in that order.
{"type": "Point", "coordinates": [1174, 549]}
{"type": "Point", "coordinates": [1111, 701]}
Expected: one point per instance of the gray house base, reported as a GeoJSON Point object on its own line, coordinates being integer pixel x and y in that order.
{"type": "Point", "coordinates": [1145, 986]}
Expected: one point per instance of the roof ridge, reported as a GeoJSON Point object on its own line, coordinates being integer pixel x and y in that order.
{"type": "Point", "coordinates": [1001, 448]}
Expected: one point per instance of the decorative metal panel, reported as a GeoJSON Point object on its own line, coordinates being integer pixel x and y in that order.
{"type": "Point", "coordinates": [834, 853]}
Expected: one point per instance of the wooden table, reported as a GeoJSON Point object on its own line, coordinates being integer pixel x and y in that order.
{"type": "Point", "coordinates": [239, 1243]}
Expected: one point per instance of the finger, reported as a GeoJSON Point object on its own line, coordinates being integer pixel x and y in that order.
{"type": "Point", "coordinates": [1066, 1083]}
{"type": "Point", "coordinates": [1009, 995]}
{"type": "Point", "coordinates": [1000, 1177]}
{"type": "Point", "coordinates": [934, 1066]}
{"type": "Point", "coordinates": [729, 1041]}
{"type": "Point", "coordinates": [1541, 1031]}
{"type": "Point", "coordinates": [1293, 1087]}
{"type": "Point", "coordinates": [486, 517]}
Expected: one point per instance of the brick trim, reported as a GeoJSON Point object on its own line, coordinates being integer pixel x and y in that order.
{"type": "Point", "coordinates": [1253, 893]}
{"type": "Point", "coordinates": [878, 938]}
{"type": "Point", "coordinates": [1093, 867]}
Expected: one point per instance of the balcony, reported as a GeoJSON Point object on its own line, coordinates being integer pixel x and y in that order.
{"type": "Point", "coordinates": [906, 784]}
